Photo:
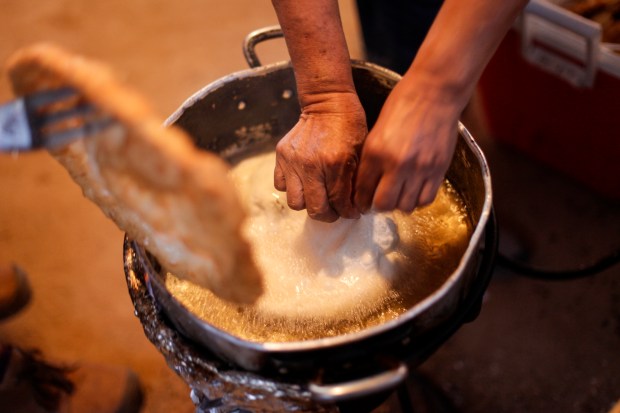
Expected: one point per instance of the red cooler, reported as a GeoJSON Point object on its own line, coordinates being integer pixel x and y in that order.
{"type": "Point", "coordinates": [552, 91]}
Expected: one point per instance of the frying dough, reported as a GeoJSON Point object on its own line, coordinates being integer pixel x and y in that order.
{"type": "Point", "coordinates": [151, 181]}
{"type": "Point", "coordinates": [313, 269]}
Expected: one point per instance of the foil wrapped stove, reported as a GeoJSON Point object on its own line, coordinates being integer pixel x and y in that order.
{"type": "Point", "coordinates": [216, 386]}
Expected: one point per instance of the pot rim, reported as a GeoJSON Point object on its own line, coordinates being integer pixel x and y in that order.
{"type": "Point", "coordinates": [422, 306]}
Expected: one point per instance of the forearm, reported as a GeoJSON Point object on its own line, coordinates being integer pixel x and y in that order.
{"type": "Point", "coordinates": [460, 43]}
{"type": "Point", "coordinates": [317, 46]}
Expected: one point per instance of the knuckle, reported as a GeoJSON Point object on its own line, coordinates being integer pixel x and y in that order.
{"type": "Point", "coordinates": [307, 164]}
{"type": "Point", "coordinates": [373, 152]}
{"type": "Point", "coordinates": [296, 204]}
{"type": "Point", "coordinates": [432, 163]}
{"type": "Point", "coordinates": [281, 148]}
{"type": "Point", "coordinates": [295, 201]}
{"type": "Point", "coordinates": [406, 165]}
{"type": "Point", "coordinates": [279, 184]}
{"type": "Point", "coordinates": [332, 161]}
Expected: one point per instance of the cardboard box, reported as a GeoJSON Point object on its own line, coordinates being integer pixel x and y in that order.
{"type": "Point", "coordinates": [552, 91]}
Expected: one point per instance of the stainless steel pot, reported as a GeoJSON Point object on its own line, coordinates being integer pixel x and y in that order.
{"type": "Point", "coordinates": [257, 106]}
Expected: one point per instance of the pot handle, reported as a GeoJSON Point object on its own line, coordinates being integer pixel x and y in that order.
{"type": "Point", "coordinates": [254, 38]}
{"type": "Point", "coordinates": [339, 392]}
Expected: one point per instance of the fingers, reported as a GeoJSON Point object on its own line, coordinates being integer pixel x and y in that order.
{"type": "Point", "coordinates": [311, 194]}
{"type": "Point", "coordinates": [393, 191]}
{"type": "Point", "coordinates": [279, 180]}
{"type": "Point", "coordinates": [320, 181]}
{"type": "Point", "coordinates": [405, 196]}
{"type": "Point", "coordinates": [287, 180]}
{"type": "Point", "coordinates": [388, 192]}
{"type": "Point", "coordinates": [417, 194]}
{"type": "Point", "coordinates": [306, 192]}
{"type": "Point", "coordinates": [429, 191]}
{"type": "Point", "coordinates": [294, 192]}
{"type": "Point", "coordinates": [339, 184]}
{"type": "Point", "coordinates": [317, 202]}
{"type": "Point", "coordinates": [386, 188]}
{"type": "Point", "coordinates": [368, 176]}
{"type": "Point", "coordinates": [317, 159]}
{"type": "Point", "coordinates": [409, 197]}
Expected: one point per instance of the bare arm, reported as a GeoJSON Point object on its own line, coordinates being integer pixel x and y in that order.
{"type": "Point", "coordinates": [409, 149]}
{"type": "Point", "coordinates": [317, 160]}
{"type": "Point", "coordinates": [406, 154]}
{"type": "Point", "coordinates": [317, 46]}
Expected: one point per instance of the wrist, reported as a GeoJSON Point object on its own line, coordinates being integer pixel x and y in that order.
{"type": "Point", "coordinates": [430, 88]}
{"type": "Point", "coordinates": [321, 86]}
{"type": "Point", "coordinates": [341, 101]}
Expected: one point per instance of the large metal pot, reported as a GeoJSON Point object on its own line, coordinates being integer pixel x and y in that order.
{"type": "Point", "coordinates": [254, 106]}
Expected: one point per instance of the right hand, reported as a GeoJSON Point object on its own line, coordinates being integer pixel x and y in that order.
{"type": "Point", "coordinates": [409, 149]}
{"type": "Point", "coordinates": [317, 160]}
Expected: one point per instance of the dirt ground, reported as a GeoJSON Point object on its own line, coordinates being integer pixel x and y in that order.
{"type": "Point", "coordinates": [537, 346]}
{"type": "Point", "coordinates": [81, 311]}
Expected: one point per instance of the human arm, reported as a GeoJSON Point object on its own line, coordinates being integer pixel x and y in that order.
{"type": "Point", "coordinates": [409, 149]}
{"type": "Point", "coordinates": [317, 160]}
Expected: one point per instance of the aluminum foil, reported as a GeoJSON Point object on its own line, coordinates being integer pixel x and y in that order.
{"type": "Point", "coordinates": [216, 386]}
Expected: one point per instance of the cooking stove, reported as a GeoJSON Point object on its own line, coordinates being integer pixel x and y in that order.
{"type": "Point", "coordinates": [220, 387]}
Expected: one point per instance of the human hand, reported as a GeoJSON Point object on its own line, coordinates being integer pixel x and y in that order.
{"type": "Point", "coordinates": [316, 161]}
{"type": "Point", "coordinates": [408, 151]}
